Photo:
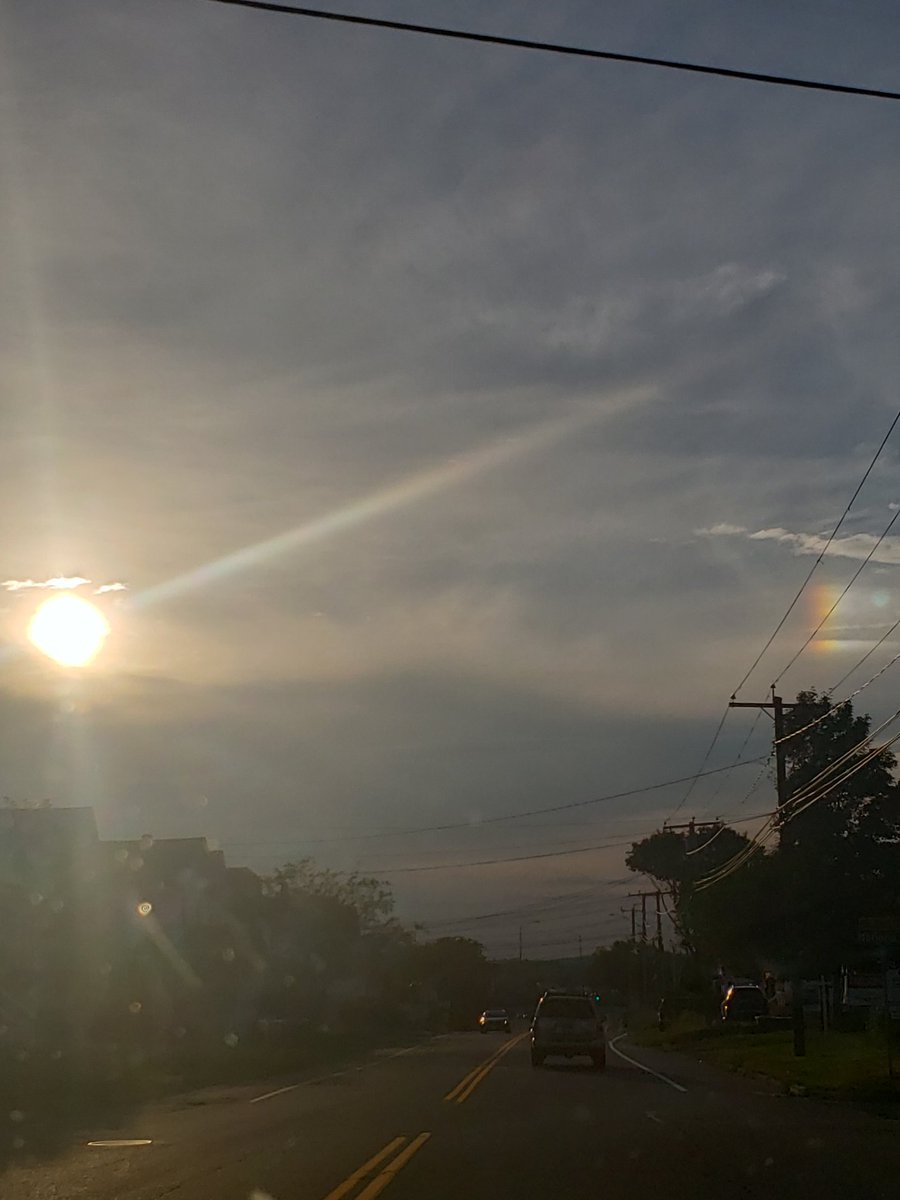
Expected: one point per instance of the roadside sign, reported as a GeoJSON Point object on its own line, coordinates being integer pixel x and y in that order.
{"type": "Point", "coordinates": [873, 990]}
{"type": "Point", "coordinates": [879, 931]}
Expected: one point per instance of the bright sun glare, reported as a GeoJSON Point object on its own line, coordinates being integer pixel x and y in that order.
{"type": "Point", "coordinates": [68, 629]}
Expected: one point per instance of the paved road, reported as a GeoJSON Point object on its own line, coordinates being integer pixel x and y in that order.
{"type": "Point", "coordinates": [465, 1116]}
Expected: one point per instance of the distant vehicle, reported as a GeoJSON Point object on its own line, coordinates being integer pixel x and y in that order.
{"type": "Point", "coordinates": [568, 1026]}
{"type": "Point", "coordinates": [494, 1019]}
{"type": "Point", "coordinates": [744, 1002]}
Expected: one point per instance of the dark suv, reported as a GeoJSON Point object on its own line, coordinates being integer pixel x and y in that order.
{"type": "Point", "coordinates": [568, 1025]}
{"type": "Point", "coordinates": [744, 1003]}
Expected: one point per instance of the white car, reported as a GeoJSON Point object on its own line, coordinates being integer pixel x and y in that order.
{"type": "Point", "coordinates": [569, 1026]}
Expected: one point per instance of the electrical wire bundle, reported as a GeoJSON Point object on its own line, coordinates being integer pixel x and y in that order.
{"type": "Point", "coordinates": [820, 786]}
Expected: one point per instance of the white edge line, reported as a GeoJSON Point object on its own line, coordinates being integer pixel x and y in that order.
{"type": "Point", "coordinates": [634, 1062]}
{"type": "Point", "coordinates": [278, 1092]}
{"type": "Point", "coordinates": [335, 1074]}
{"type": "Point", "coordinates": [119, 1143]}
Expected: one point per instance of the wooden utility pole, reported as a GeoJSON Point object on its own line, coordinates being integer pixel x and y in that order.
{"type": "Point", "coordinates": [694, 830]}
{"type": "Point", "coordinates": [643, 897]}
{"type": "Point", "coordinates": [633, 911]}
{"type": "Point", "coordinates": [777, 705]}
{"type": "Point", "coordinates": [659, 936]}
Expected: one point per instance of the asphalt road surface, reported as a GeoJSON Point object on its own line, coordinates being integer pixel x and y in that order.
{"type": "Point", "coordinates": [466, 1117]}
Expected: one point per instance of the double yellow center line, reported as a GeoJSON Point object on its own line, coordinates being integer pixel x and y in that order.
{"type": "Point", "coordinates": [467, 1085]}
{"type": "Point", "coordinates": [392, 1158]}
{"type": "Point", "coordinates": [384, 1177]}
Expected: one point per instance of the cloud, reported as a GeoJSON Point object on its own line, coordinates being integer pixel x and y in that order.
{"type": "Point", "coordinates": [498, 257]}
{"type": "Point", "coordinates": [722, 529]}
{"type": "Point", "coordinates": [61, 582]}
{"type": "Point", "coordinates": [857, 546]}
{"type": "Point", "coordinates": [724, 290]}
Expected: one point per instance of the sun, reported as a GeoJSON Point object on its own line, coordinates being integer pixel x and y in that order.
{"type": "Point", "coordinates": [68, 629]}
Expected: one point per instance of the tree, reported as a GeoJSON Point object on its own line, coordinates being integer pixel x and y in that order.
{"type": "Point", "coordinates": [828, 750]}
{"type": "Point", "coordinates": [614, 968]}
{"type": "Point", "coordinates": [457, 972]}
{"type": "Point", "coordinates": [318, 923]}
{"type": "Point", "coordinates": [677, 861]}
{"type": "Point", "coordinates": [837, 857]}
{"type": "Point", "coordinates": [839, 838]}
{"type": "Point", "coordinates": [369, 899]}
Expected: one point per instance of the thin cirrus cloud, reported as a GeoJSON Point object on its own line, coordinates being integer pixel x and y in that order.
{"type": "Point", "coordinates": [319, 373]}
{"type": "Point", "coordinates": [857, 546]}
{"type": "Point", "coordinates": [60, 583]}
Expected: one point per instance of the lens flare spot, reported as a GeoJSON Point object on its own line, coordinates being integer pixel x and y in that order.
{"type": "Point", "coordinates": [68, 629]}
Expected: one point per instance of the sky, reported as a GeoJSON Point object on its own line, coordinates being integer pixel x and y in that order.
{"type": "Point", "coordinates": [459, 420]}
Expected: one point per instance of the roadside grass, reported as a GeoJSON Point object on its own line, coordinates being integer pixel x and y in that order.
{"type": "Point", "coordinates": [848, 1066]}
{"type": "Point", "coordinates": [685, 1028]}
{"type": "Point", "coordinates": [255, 1061]}
{"type": "Point", "coordinates": [53, 1098]}
{"type": "Point", "coordinates": [117, 1081]}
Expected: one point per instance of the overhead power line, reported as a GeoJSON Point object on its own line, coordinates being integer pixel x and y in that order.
{"type": "Point", "coordinates": [787, 814]}
{"type": "Point", "coordinates": [758, 780]}
{"type": "Point", "coordinates": [793, 604]}
{"type": "Point", "coordinates": [693, 782]}
{"type": "Point", "coordinates": [839, 704]}
{"type": "Point", "coordinates": [533, 812]}
{"type": "Point", "coordinates": [856, 574]}
{"type": "Point", "coordinates": [593, 895]}
{"type": "Point", "coordinates": [740, 754]}
{"type": "Point", "coordinates": [812, 570]}
{"type": "Point", "coordinates": [802, 800]}
{"type": "Point", "coordinates": [490, 862]}
{"type": "Point", "coordinates": [868, 654]}
{"type": "Point", "coordinates": [571, 939]}
{"type": "Point", "coordinates": [872, 754]}
{"type": "Point", "coordinates": [709, 841]}
{"type": "Point", "coordinates": [548, 918]}
{"type": "Point", "coordinates": [490, 39]}
{"type": "Point", "coordinates": [743, 856]}
{"type": "Point", "coordinates": [831, 767]}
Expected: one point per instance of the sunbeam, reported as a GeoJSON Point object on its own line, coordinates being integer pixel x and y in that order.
{"type": "Point", "coordinates": [447, 474]}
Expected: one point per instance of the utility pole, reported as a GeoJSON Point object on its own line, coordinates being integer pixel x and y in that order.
{"type": "Point", "coordinates": [777, 705]}
{"type": "Point", "coordinates": [643, 897]}
{"type": "Point", "coordinates": [580, 947]}
{"type": "Point", "coordinates": [520, 943]}
{"type": "Point", "coordinates": [694, 830]}
{"type": "Point", "coordinates": [633, 911]}
{"type": "Point", "coordinates": [659, 936]}
{"type": "Point", "coordinates": [631, 964]}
